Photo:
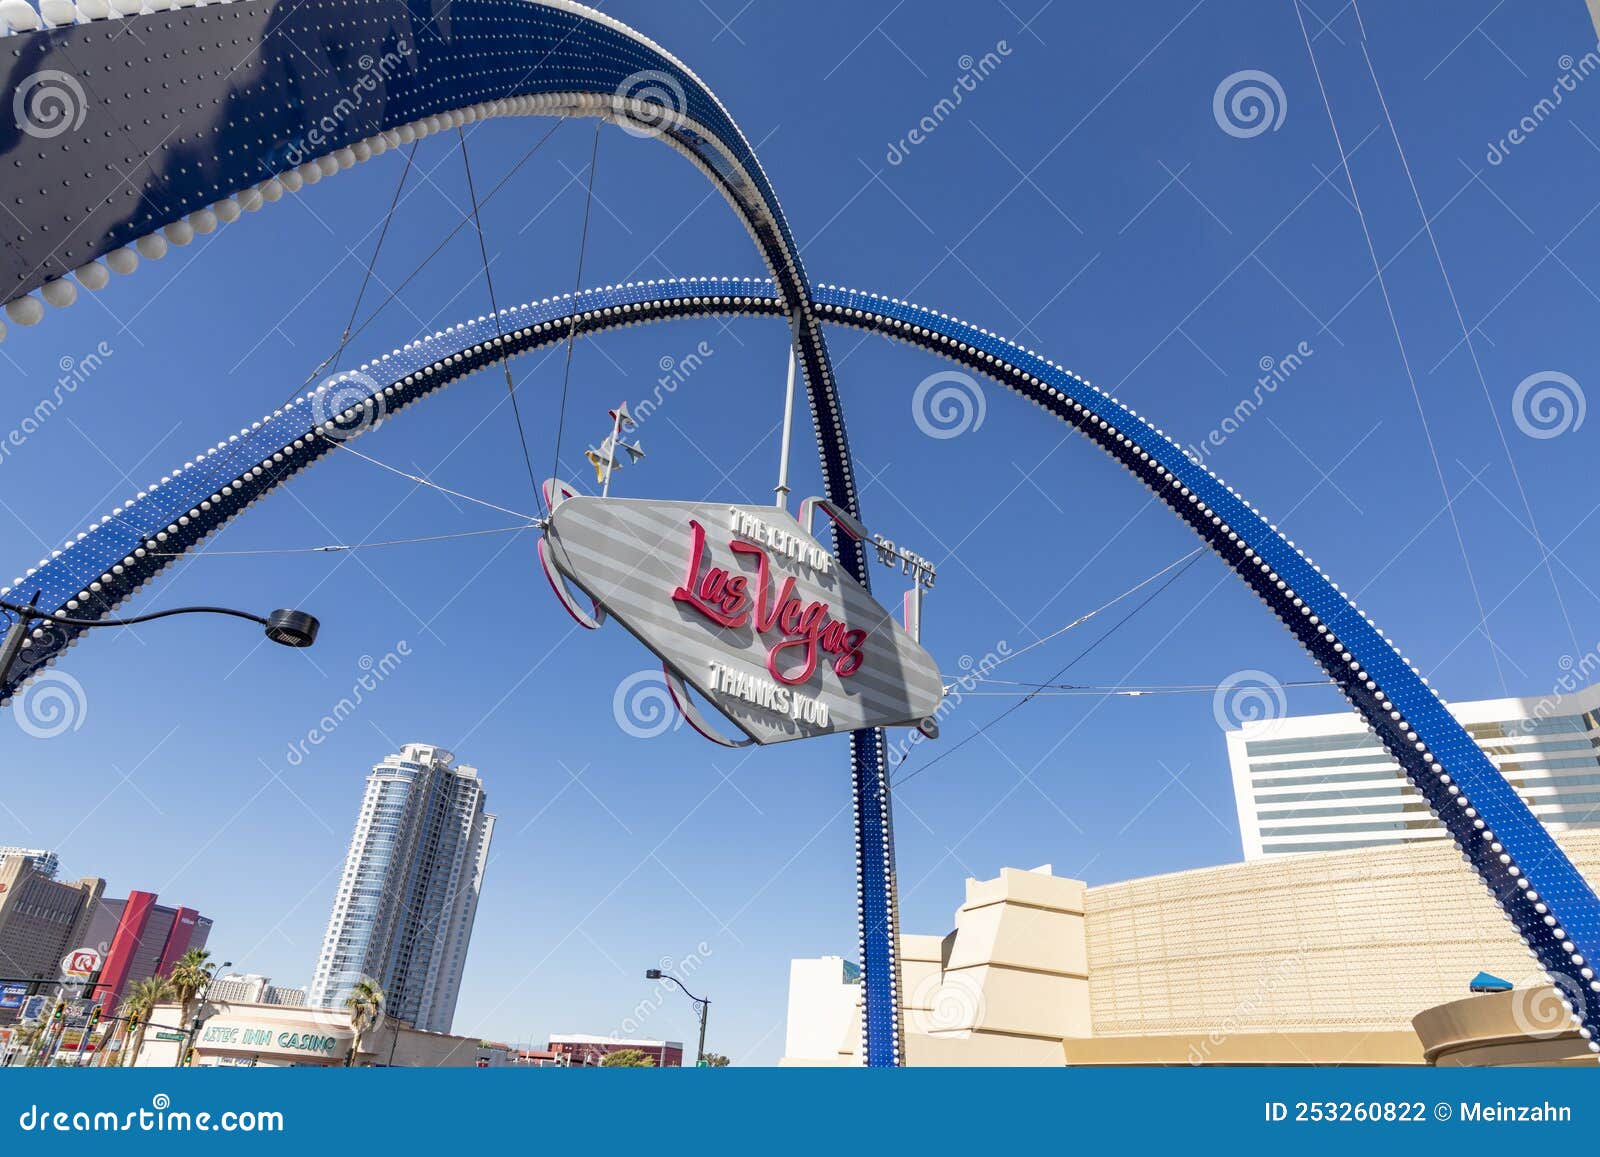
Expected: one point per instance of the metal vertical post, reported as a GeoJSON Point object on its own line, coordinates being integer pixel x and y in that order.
{"type": "Point", "coordinates": [782, 488]}
{"type": "Point", "coordinates": [882, 1034]}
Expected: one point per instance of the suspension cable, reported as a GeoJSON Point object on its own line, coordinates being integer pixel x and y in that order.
{"type": "Point", "coordinates": [460, 225]}
{"type": "Point", "coordinates": [572, 324]}
{"type": "Point", "coordinates": [1081, 619]}
{"type": "Point", "coordinates": [421, 481]}
{"type": "Point", "coordinates": [366, 280]}
{"type": "Point", "coordinates": [1405, 357]}
{"type": "Point", "coordinates": [499, 329]}
{"type": "Point", "coordinates": [1067, 689]}
{"type": "Point", "coordinates": [1067, 666]}
{"type": "Point", "coordinates": [336, 547]}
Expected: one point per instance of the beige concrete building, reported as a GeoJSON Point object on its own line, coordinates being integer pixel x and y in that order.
{"type": "Point", "coordinates": [239, 1034]}
{"type": "Point", "coordinates": [1324, 958]}
{"type": "Point", "coordinates": [41, 920]}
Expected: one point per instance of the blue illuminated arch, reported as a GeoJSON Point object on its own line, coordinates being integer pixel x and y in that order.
{"type": "Point", "coordinates": [1525, 870]}
{"type": "Point", "coordinates": [210, 128]}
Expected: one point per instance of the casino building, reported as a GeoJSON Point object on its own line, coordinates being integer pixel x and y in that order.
{"type": "Point", "coordinates": [245, 1034]}
{"type": "Point", "coordinates": [1332, 958]}
{"type": "Point", "coordinates": [1317, 783]}
{"type": "Point", "coordinates": [41, 920]}
{"type": "Point", "coordinates": [142, 939]}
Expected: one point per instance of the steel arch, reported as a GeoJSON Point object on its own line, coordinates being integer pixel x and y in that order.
{"type": "Point", "coordinates": [1526, 872]}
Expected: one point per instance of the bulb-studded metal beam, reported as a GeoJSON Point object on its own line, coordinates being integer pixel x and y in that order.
{"type": "Point", "coordinates": [139, 125]}
{"type": "Point", "coordinates": [1552, 906]}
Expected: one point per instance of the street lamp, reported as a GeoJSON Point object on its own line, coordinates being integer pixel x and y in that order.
{"type": "Point", "coordinates": [702, 1006]}
{"type": "Point", "coordinates": [286, 627]}
{"type": "Point", "coordinates": [186, 1055]}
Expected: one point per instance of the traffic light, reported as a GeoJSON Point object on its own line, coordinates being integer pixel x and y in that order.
{"type": "Point", "coordinates": [94, 1017]}
{"type": "Point", "coordinates": [59, 1016]}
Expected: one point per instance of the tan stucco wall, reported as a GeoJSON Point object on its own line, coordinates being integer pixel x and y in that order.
{"type": "Point", "coordinates": [1355, 941]}
{"type": "Point", "coordinates": [1527, 1026]}
{"type": "Point", "coordinates": [1312, 959]}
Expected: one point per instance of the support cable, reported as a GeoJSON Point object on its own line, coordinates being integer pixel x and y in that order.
{"type": "Point", "coordinates": [339, 546]}
{"type": "Point", "coordinates": [1081, 619]}
{"type": "Point", "coordinates": [421, 481]}
{"type": "Point", "coordinates": [499, 329]}
{"type": "Point", "coordinates": [572, 325]}
{"type": "Point", "coordinates": [1466, 336]}
{"type": "Point", "coordinates": [1067, 666]}
{"type": "Point", "coordinates": [1405, 358]}
{"type": "Point", "coordinates": [366, 280]}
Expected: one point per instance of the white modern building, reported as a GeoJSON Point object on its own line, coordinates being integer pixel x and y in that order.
{"type": "Point", "coordinates": [253, 988]}
{"type": "Point", "coordinates": [408, 895]}
{"type": "Point", "coordinates": [45, 863]}
{"type": "Point", "coordinates": [1318, 783]}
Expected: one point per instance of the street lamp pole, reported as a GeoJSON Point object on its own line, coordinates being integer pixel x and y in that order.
{"type": "Point", "coordinates": [702, 1008]}
{"type": "Point", "coordinates": [286, 627]}
{"type": "Point", "coordinates": [185, 1059]}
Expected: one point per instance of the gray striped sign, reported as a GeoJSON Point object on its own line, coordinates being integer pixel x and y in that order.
{"type": "Point", "coordinates": [750, 610]}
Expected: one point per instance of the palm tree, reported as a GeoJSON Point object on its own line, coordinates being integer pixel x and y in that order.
{"type": "Point", "coordinates": [365, 1003]}
{"type": "Point", "coordinates": [142, 1000]}
{"type": "Point", "coordinates": [191, 976]}
{"type": "Point", "coordinates": [23, 1040]}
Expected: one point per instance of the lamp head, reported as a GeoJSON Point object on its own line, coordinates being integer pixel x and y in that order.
{"type": "Point", "coordinates": [652, 974]}
{"type": "Point", "coordinates": [292, 628]}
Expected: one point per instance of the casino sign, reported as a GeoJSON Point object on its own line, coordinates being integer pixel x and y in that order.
{"type": "Point", "coordinates": [742, 604]}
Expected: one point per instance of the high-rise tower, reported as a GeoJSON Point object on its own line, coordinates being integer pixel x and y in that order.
{"type": "Point", "coordinates": [409, 891]}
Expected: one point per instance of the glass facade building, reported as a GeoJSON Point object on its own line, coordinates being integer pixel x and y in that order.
{"type": "Point", "coordinates": [1320, 783]}
{"type": "Point", "coordinates": [408, 894]}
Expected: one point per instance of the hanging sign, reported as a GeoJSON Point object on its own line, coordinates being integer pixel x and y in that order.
{"type": "Point", "coordinates": [745, 606]}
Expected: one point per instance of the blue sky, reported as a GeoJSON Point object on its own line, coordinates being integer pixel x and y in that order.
{"type": "Point", "coordinates": [1084, 199]}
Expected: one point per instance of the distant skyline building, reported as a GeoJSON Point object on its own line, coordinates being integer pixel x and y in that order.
{"type": "Point", "coordinates": [253, 988]}
{"type": "Point", "coordinates": [140, 939]}
{"type": "Point", "coordinates": [41, 920]}
{"type": "Point", "coordinates": [1315, 783]}
{"type": "Point", "coordinates": [45, 862]}
{"type": "Point", "coordinates": [408, 895]}
{"type": "Point", "coordinates": [582, 1050]}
